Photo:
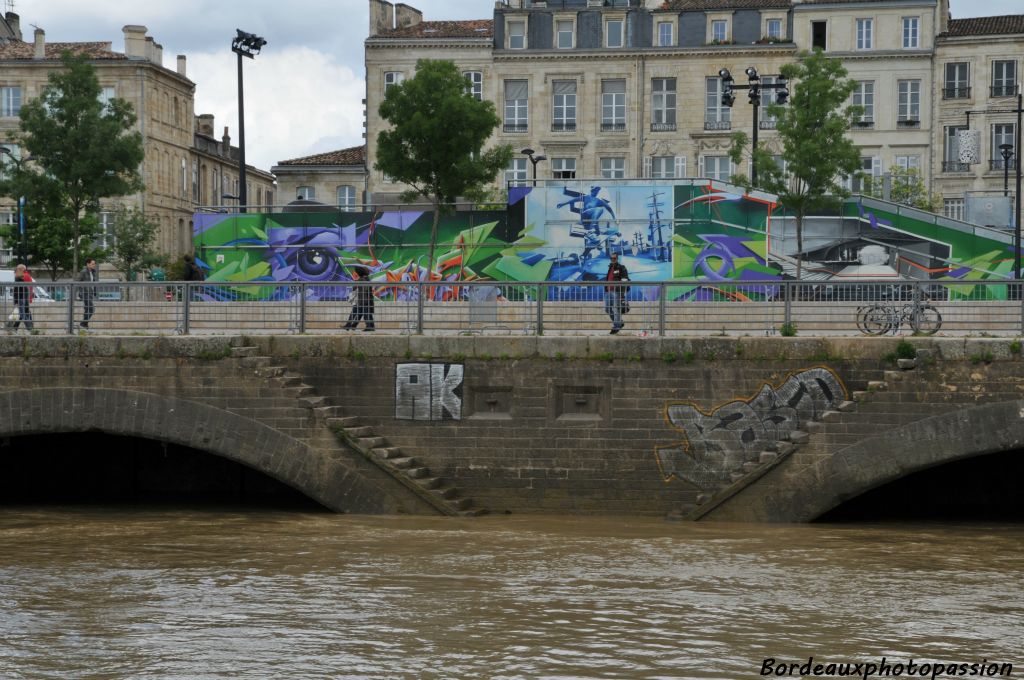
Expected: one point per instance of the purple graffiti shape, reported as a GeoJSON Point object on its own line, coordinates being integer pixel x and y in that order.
{"type": "Point", "coordinates": [728, 249]}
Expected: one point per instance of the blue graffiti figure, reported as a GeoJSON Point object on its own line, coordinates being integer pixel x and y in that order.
{"type": "Point", "coordinates": [589, 207]}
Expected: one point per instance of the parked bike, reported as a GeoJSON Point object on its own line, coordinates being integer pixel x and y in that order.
{"type": "Point", "coordinates": [879, 319]}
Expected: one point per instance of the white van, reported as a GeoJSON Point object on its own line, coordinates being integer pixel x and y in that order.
{"type": "Point", "coordinates": [39, 294]}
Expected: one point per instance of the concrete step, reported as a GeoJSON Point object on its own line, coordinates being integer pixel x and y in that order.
{"type": "Point", "coordinates": [402, 463]}
{"type": "Point", "coordinates": [369, 443]}
{"type": "Point", "coordinates": [736, 476]}
{"type": "Point", "coordinates": [359, 431]}
{"type": "Point", "coordinates": [388, 452]}
{"type": "Point", "coordinates": [265, 371]}
{"type": "Point", "coordinates": [798, 436]}
{"type": "Point", "coordinates": [417, 472]}
{"type": "Point", "coordinates": [313, 401]}
{"type": "Point", "coordinates": [429, 482]}
{"type": "Point", "coordinates": [831, 416]}
{"type": "Point", "coordinates": [462, 503]}
{"type": "Point", "coordinates": [449, 493]}
{"type": "Point", "coordinates": [877, 385]}
{"type": "Point", "coordinates": [703, 498]}
{"type": "Point", "coordinates": [813, 426]}
{"type": "Point", "coordinates": [244, 351]}
{"type": "Point", "coordinates": [847, 406]}
{"type": "Point", "coordinates": [324, 412]}
{"type": "Point", "coordinates": [300, 391]}
{"type": "Point", "coordinates": [287, 380]}
{"type": "Point", "coordinates": [767, 457]}
{"type": "Point", "coordinates": [342, 422]}
{"type": "Point", "coordinates": [750, 466]}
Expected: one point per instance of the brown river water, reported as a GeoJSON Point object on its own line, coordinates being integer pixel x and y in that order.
{"type": "Point", "coordinates": [128, 592]}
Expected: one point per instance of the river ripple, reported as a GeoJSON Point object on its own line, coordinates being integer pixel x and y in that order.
{"type": "Point", "coordinates": [154, 593]}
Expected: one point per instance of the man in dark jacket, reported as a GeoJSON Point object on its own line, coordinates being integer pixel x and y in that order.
{"type": "Point", "coordinates": [88, 275]}
{"type": "Point", "coordinates": [615, 294]}
{"type": "Point", "coordinates": [362, 307]}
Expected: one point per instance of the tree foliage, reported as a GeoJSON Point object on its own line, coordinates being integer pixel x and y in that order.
{"type": "Point", "coordinates": [84, 150]}
{"type": "Point", "coordinates": [134, 234]}
{"type": "Point", "coordinates": [437, 136]}
{"type": "Point", "coordinates": [906, 186]}
{"type": "Point", "coordinates": [812, 132]}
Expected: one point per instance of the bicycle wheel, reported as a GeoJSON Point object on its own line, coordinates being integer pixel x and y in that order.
{"type": "Point", "coordinates": [874, 320]}
{"type": "Point", "coordinates": [926, 320]}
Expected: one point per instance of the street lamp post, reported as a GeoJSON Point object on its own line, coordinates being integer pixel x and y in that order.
{"type": "Point", "coordinates": [20, 216]}
{"type": "Point", "coordinates": [534, 160]}
{"type": "Point", "coordinates": [753, 87]}
{"type": "Point", "coordinates": [1006, 151]}
{"type": "Point", "coordinates": [244, 45]}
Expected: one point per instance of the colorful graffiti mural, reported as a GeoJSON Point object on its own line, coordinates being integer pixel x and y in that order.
{"type": "Point", "coordinates": [720, 441]}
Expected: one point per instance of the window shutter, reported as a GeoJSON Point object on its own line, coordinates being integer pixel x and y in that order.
{"type": "Point", "coordinates": [680, 166]}
{"type": "Point", "coordinates": [647, 166]}
{"type": "Point", "coordinates": [700, 167]}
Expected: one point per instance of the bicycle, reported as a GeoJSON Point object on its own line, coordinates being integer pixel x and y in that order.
{"type": "Point", "coordinates": [879, 319]}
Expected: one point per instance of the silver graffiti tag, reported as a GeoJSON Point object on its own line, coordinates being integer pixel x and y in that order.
{"type": "Point", "coordinates": [428, 391]}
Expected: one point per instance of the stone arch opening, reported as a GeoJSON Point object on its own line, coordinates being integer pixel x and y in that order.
{"type": "Point", "coordinates": [86, 468]}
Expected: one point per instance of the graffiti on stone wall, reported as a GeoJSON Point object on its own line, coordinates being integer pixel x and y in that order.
{"type": "Point", "coordinates": [719, 442]}
{"type": "Point", "coordinates": [428, 391]}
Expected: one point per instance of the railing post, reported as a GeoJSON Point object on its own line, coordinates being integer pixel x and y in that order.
{"type": "Point", "coordinates": [540, 309]}
{"type": "Point", "coordinates": [302, 307]}
{"type": "Point", "coordinates": [186, 298]}
{"type": "Point", "coordinates": [787, 314]}
{"type": "Point", "coordinates": [662, 293]}
{"type": "Point", "coordinates": [71, 308]}
{"type": "Point", "coordinates": [419, 307]}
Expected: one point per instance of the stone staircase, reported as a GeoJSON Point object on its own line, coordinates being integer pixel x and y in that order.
{"type": "Point", "coordinates": [350, 435]}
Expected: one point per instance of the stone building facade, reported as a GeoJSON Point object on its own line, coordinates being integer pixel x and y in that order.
{"type": "Point", "coordinates": [185, 166]}
{"type": "Point", "coordinates": [630, 88]}
{"type": "Point", "coordinates": [334, 178]}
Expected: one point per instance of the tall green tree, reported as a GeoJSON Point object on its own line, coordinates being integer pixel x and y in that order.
{"type": "Point", "coordinates": [907, 187]}
{"type": "Point", "coordinates": [812, 133]}
{"type": "Point", "coordinates": [134, 235]}
{"type": "Point", "coordinates": [436, 140]}
{"type": "Point", "coordinates": [85, 150]}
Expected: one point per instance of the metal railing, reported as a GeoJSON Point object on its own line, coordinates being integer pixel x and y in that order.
{"type": "Point", "coordinates": [665, 308]}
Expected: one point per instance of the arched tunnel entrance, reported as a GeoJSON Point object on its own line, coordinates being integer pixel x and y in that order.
{"type": "Point", "coordinates": [981, 488]}
{"type": "Point", "coordinates": [100, 468]}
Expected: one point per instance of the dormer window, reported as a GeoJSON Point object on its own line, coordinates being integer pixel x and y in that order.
{"type": "Point", "coordinates": [517, 35]}
{"type": "Point", "coordinates": [613, 33]}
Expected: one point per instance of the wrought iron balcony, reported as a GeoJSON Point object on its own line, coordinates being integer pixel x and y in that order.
{"type": "Point", "coordinates": [717, 124]}
{"type": "Point", "coordinates": [955, 166]}
{"type": "Point", "coordinates": [663, 127]}
{"type": "Point", "coordinates": [1003, 91]}
{"type": "Point", "coordinates": [866, 123]}
{"type": "Point", "coordinates": [908, 123]}
{"type": "Point", "coordinates": [563, 127]}
{"type": "Point", "coordinates": [613, 127]}
{"type": "Point", "coordinates": [515, 127]}
{"type": "Point", "coordinates": [956, 92]}
{"type": "Point", "coordinates": [767, 124]}
{"type": "Point", "coordinates": [1000, 164]}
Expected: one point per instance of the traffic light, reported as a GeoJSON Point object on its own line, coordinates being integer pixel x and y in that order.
{"type": "Point", "coordinates": [782, 92]}
{"type": "Point", "coordinates": [728, 98]}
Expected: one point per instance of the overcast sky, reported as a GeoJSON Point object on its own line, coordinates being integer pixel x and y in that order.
{"type": "Point", "coordinates": [303, 92]}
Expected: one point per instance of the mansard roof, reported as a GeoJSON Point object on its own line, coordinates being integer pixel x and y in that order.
{"type": "Point", "coordinates": [1001, 25]}
{"type": "Point", "coordinates": [354, 155]}
{"type": "Point", "coordinates": [17, 49]}
{"type": "Point", "coordinates": [476, 28]}
{"type": "Point", "coordinates": [699, 5]}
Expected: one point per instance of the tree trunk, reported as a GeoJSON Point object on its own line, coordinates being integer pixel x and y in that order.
{"type": "Point", "coordinates": [799, 243]}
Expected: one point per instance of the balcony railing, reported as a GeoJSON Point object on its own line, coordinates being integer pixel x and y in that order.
{"type": "Point", "coordinates": [955, 166]}
{"type": "Point", "coordinates": [717, 124]}
{"type": "Point", "coordinates": [515, 127]}
{"type": "Point", "coordinates": [866, 123]}
{"type": "Point", "coordinates": [1003, 91]}
{"type": "Point", "coordinates": [563, 127]}
{"type": "Point", "coordinates": [908, 123]}
{"type": "Point", "coordinates": [663, 127]}
{"type": "Point", "coordinates": [613, 127]}
{"type": "Point", "coordinates": [1000, 164]}
{"type": "Point", "coordinates": [767, 124]}
{"type": "Point", "coordinates": [956, 92]}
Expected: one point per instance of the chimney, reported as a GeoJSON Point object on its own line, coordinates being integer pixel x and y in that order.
{"type": "Point", "coordinates": [40, 52]}
{"type": "Point", "coordinates": [406, 16]}
{"type": "Point", "coordinates": [205, 124]}
{"type": "Point", "coordinates": [943, 16]}
{"type": "Point", "coordinates": [181, 66]}
{"type": "Point", "coordinates": [225, 143]}
{"type": "Point", "coordinates": [134, 42]}
{"type": "Point", "coordinates": [158, 54]}
{"type": "Point", "coordinates": [14, 21]}
{"type": "Point", "coordinates": [382, 16]}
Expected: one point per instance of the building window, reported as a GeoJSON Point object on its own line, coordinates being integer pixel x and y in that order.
{"type": "Point", "coordinates": [951, 150]}
{"type": "Point", "coordinates": [516, 105]}
{"type": "Point", "coordinates": [305, 193]}
{"type": "Point", "coordinates": [515, 173]}
{"type": "Point", "coordinates": [908, 163]}
{"type": "Point", "coordinates": [106, 94]}
{"type": "Point", "coordinates": [1004, 78]}
{"type": "Point", "coordinates": [613, 105]}
{"type": "Point", "coordinates": [565, 32]}
{"type": "Point", "coordinates": [717, 167]}
{"type": "Point", "coordinates": [665, 34]}
{"type": "Point", "coordinates": [347, 197]}
{"type": "Point", "coordinates": [663, 104]}
{"type": "Point", "coordinates": [716, 116]}
{"type": "Point", "coordinates": [392, 78]}
{"type": "Point", "coordinates": [613, 168]}
{"type": "Point", "coordinates": [864, 30]}
{"type": "Point", "coordinates": [864, 96]}
{"type": "Point", "coordinates": [953, 208]}
{"type": "Point", "coordinates": [911, 32]}
{"type": "Point", "coordinates": [819, 33]}
{"type": "Point", "coordinates": [517, 35]}
{"type": "Point", "coordinates": [909, 103]}
{"type": "Point", "coordinates": [7, 161]}
{"type": "Point", "coordinates": [563, 106]}
{"type": "Point", "coordinates": [719, 31]}
{"type": "Point", "coordinates": [10, 101]}
{"type": "Point", "coordinates": [613, 33]}
{"type": "Point", "coordinates": [867, 179]}
{"type": "Point", "coordinates": [105, 237]}
{"type": "Point", "coordinates": [666, 167]}
{"type": "Point", "coordinates": [767, 121]}
{"type": "Point", "coordinates": [476, 84]}
{"type": "Point", "coordinates": [956, 84]}
{"type": "Point", "coordinates": [563, 168]}
{"type": "Point", "coordinates": [773, 29]}
{"type": "Point", "coordinates": [1003, 133]}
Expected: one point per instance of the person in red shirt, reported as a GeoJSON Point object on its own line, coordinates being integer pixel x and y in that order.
{"type": "Point", "coordinates": [615, 294]}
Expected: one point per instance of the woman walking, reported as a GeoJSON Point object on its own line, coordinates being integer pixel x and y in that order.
{"type": "Point", "coordinates": [22, 295]}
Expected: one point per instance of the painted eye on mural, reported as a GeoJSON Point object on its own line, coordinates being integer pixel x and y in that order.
{"type": "Point", "coordinates": [318, 264]}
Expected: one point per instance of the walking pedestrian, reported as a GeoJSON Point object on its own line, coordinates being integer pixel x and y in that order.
{"type": "Point", "coordinates": [87, 293]}
{"type": "Point", "coordinates": [23, 297]}
{"type": "Point", "coordinates": [614, 293]}
{"type": "Point", "coordinates": [362, 303]}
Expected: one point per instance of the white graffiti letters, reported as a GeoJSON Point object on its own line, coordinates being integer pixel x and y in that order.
{"type": "Point", "coordinates": [428, 391]}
